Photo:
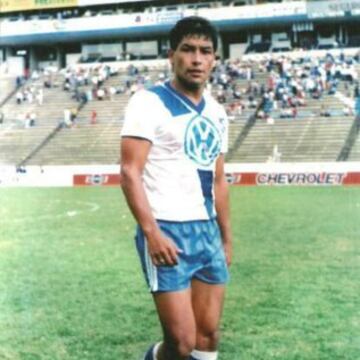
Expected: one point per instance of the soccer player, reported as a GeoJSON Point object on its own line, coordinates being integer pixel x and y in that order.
{"type": "Point", "coordinates": [172, 171]}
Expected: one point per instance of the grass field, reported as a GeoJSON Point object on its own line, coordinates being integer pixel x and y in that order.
{"type": "Point", "coordinates": [71, 285]}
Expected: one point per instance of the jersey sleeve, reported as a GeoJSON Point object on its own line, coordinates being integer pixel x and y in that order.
{"type": "Point", "coordinates": [140, 119]}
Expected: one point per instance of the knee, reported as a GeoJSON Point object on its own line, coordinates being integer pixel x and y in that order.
{"type": "Point", "coordinates": [181, 345]}
{"type": "Point", "coordinates": [185, 347]}
{"type": "Point", "coordinates": [208, 339]}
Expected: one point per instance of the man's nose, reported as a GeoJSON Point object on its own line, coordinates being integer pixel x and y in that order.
{"type": "Point", "coordinates": [197, 57]}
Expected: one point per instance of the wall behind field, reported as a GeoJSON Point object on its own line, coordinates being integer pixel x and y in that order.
{"type": "Point", "coordinates": [268, 174]}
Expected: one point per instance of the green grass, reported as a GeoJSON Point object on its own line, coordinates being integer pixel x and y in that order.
{"type": "Point", "coordinates": [71, 285]}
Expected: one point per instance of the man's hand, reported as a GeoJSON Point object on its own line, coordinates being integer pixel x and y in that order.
{"type": "Point", "coordinates": [163, 251]}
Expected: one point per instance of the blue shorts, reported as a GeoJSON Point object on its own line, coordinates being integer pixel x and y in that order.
{"type": "Point", "coordinates": [202, 256]}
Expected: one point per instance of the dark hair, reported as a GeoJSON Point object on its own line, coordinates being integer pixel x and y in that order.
{"type": "Point", "coordinates": [193, 25]}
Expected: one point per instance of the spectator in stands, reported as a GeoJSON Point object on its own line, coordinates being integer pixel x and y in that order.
{"type": "Point", "coordinates": [261, 114]}
{"type": "Point", "coordinates": [267, 104]}
{"type": "Point", "coordinates": [133, 88]}
{"type": "Point", "coordinates": [100, 94]}
{"type": "Point", "coordinates": [26, 73]}
{"type": "Point", "coordinates": [2, 117]}
{"type": "Point", "coordinates": [220, 97]}
{"type": "Point", "coordinates": [231, 111]}
{"type": "Point", "coordinates": [74, 113]}
{"type": "Point", "coordinates": [252, 102]}
{"type": "Point", "coordinates": [67, 117]}
{"type": "Point", "coordinates": [32, 119]}
{"type": "Point", "coordinates": [89, 95]}
{"type": "Point", "coordinates": [120, 89]}
{"type": "Point", "coordinates": [40, 96]}
{"type": "Point", "coordinates": [316, 93]}
{"type": "Point", "coordinates": [111, 92]}
{"type": "Point", "coordinates": [35, 75]}
{"type": "Point", "coordinates": [19, 97]}
{"type": "Point", "coordinates": [47, 82]}
{"type": "Point", "coordinates": [324, 112]}
{"type": "Point", "coordinates": [93, 117]}
{"type": "Point", "coordinates": [276, 155]}
{"type": "Point", "coordinates": [95, 81]}
{"type": "Point", "coordinates": [76, 94]}
{"type": "Point", "coordinates": [19, 81]}
{"type": "Point", "coordinates": [332, 87]}
{"type": "Point", "coordinates": [347, 110]}
{"type": "Point", "coordinates": [133, 70]}
{"type": "Point", "coordinates": [27, 120]}
{"type": "Point", "coordinates": [67, 85]}
{"type": "Point", "coordinates": [83, 97]}
{"type": "Point", "coordinates": [29, 95]}
{"type": "Point", "coordinates": [285, 113]}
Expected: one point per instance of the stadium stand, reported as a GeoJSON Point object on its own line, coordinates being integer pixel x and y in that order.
{"type": "Point", "coordinates": [6, 88]}
{"type": "Point", "coordinates": [291, 106]}
{"type": "Point", "coordinates": [85, 141]}
{"type": "Point", "coordinates": [312, 139]}
{"type": "Point", "coordinates": [355, 150]}
{"type": "Point", "coordinates": [308, 137]}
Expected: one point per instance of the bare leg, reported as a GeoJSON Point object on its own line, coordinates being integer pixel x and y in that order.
{"type": "Point", "coordinates": [178, 323]}
{"type": "Point", "coordinates": [207, 304]}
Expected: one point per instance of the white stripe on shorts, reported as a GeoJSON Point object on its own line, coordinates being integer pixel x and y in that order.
{"type": "Point", "coordinates": [151, 270]}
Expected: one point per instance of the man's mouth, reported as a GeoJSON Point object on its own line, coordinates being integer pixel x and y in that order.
{"type": "Point", "coordinates": [195, 72]}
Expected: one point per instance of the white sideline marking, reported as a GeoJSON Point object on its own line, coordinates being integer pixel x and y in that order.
{"type": "Point", "coordinates": [71, 213]}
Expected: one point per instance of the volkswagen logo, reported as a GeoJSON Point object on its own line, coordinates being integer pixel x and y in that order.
{"type": "Point", "coordinates": [202, 141]}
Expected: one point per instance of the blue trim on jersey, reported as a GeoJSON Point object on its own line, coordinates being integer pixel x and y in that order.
{"type": "Point", "coordinates": [173, 104]}
{"type": "Point", "coordinates": [198, 108]}
{"type": "Point", "coordinates": [206, 180]}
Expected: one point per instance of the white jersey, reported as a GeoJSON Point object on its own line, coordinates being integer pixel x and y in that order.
{"type": "Point", "coordinates": [186, 141]}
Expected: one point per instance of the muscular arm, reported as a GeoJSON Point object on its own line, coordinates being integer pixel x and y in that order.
{"type": "Point", "coordinates": [134, 153]}
{"type": "Point", "coordinates": [222, 207]}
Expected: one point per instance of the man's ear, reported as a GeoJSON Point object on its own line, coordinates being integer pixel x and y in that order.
{"type": "Point", "coordinates": [171, 55]}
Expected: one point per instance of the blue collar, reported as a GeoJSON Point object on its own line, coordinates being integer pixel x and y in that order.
{"type": "Point", "coordinates": [198, 108]}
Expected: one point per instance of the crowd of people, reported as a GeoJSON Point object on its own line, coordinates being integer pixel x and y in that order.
{"type": "Point", "coordinates": [289, 85]}
{"type": "Point", "coordinates": [287, 89]}
{"type": "Point", "coordinates": [30, 94]}
{"type": "Point", "coordinates": [280, 86]}
{"type": "Point", "coordinates": [87, 83]}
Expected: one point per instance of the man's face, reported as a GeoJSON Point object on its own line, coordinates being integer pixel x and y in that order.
{"type": "Point", "coordinates": [193, 61]}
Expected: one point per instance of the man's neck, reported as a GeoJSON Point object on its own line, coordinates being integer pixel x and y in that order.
{"type": "Point", "coordinates": [194, 95]}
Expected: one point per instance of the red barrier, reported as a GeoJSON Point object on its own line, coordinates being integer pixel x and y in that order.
{"type": "Point", "coordinates": [97, 180]}
{"type": "Point", "coordinates": [248, 179]}
{"type": "Point", "coordinates": [295, 179]}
